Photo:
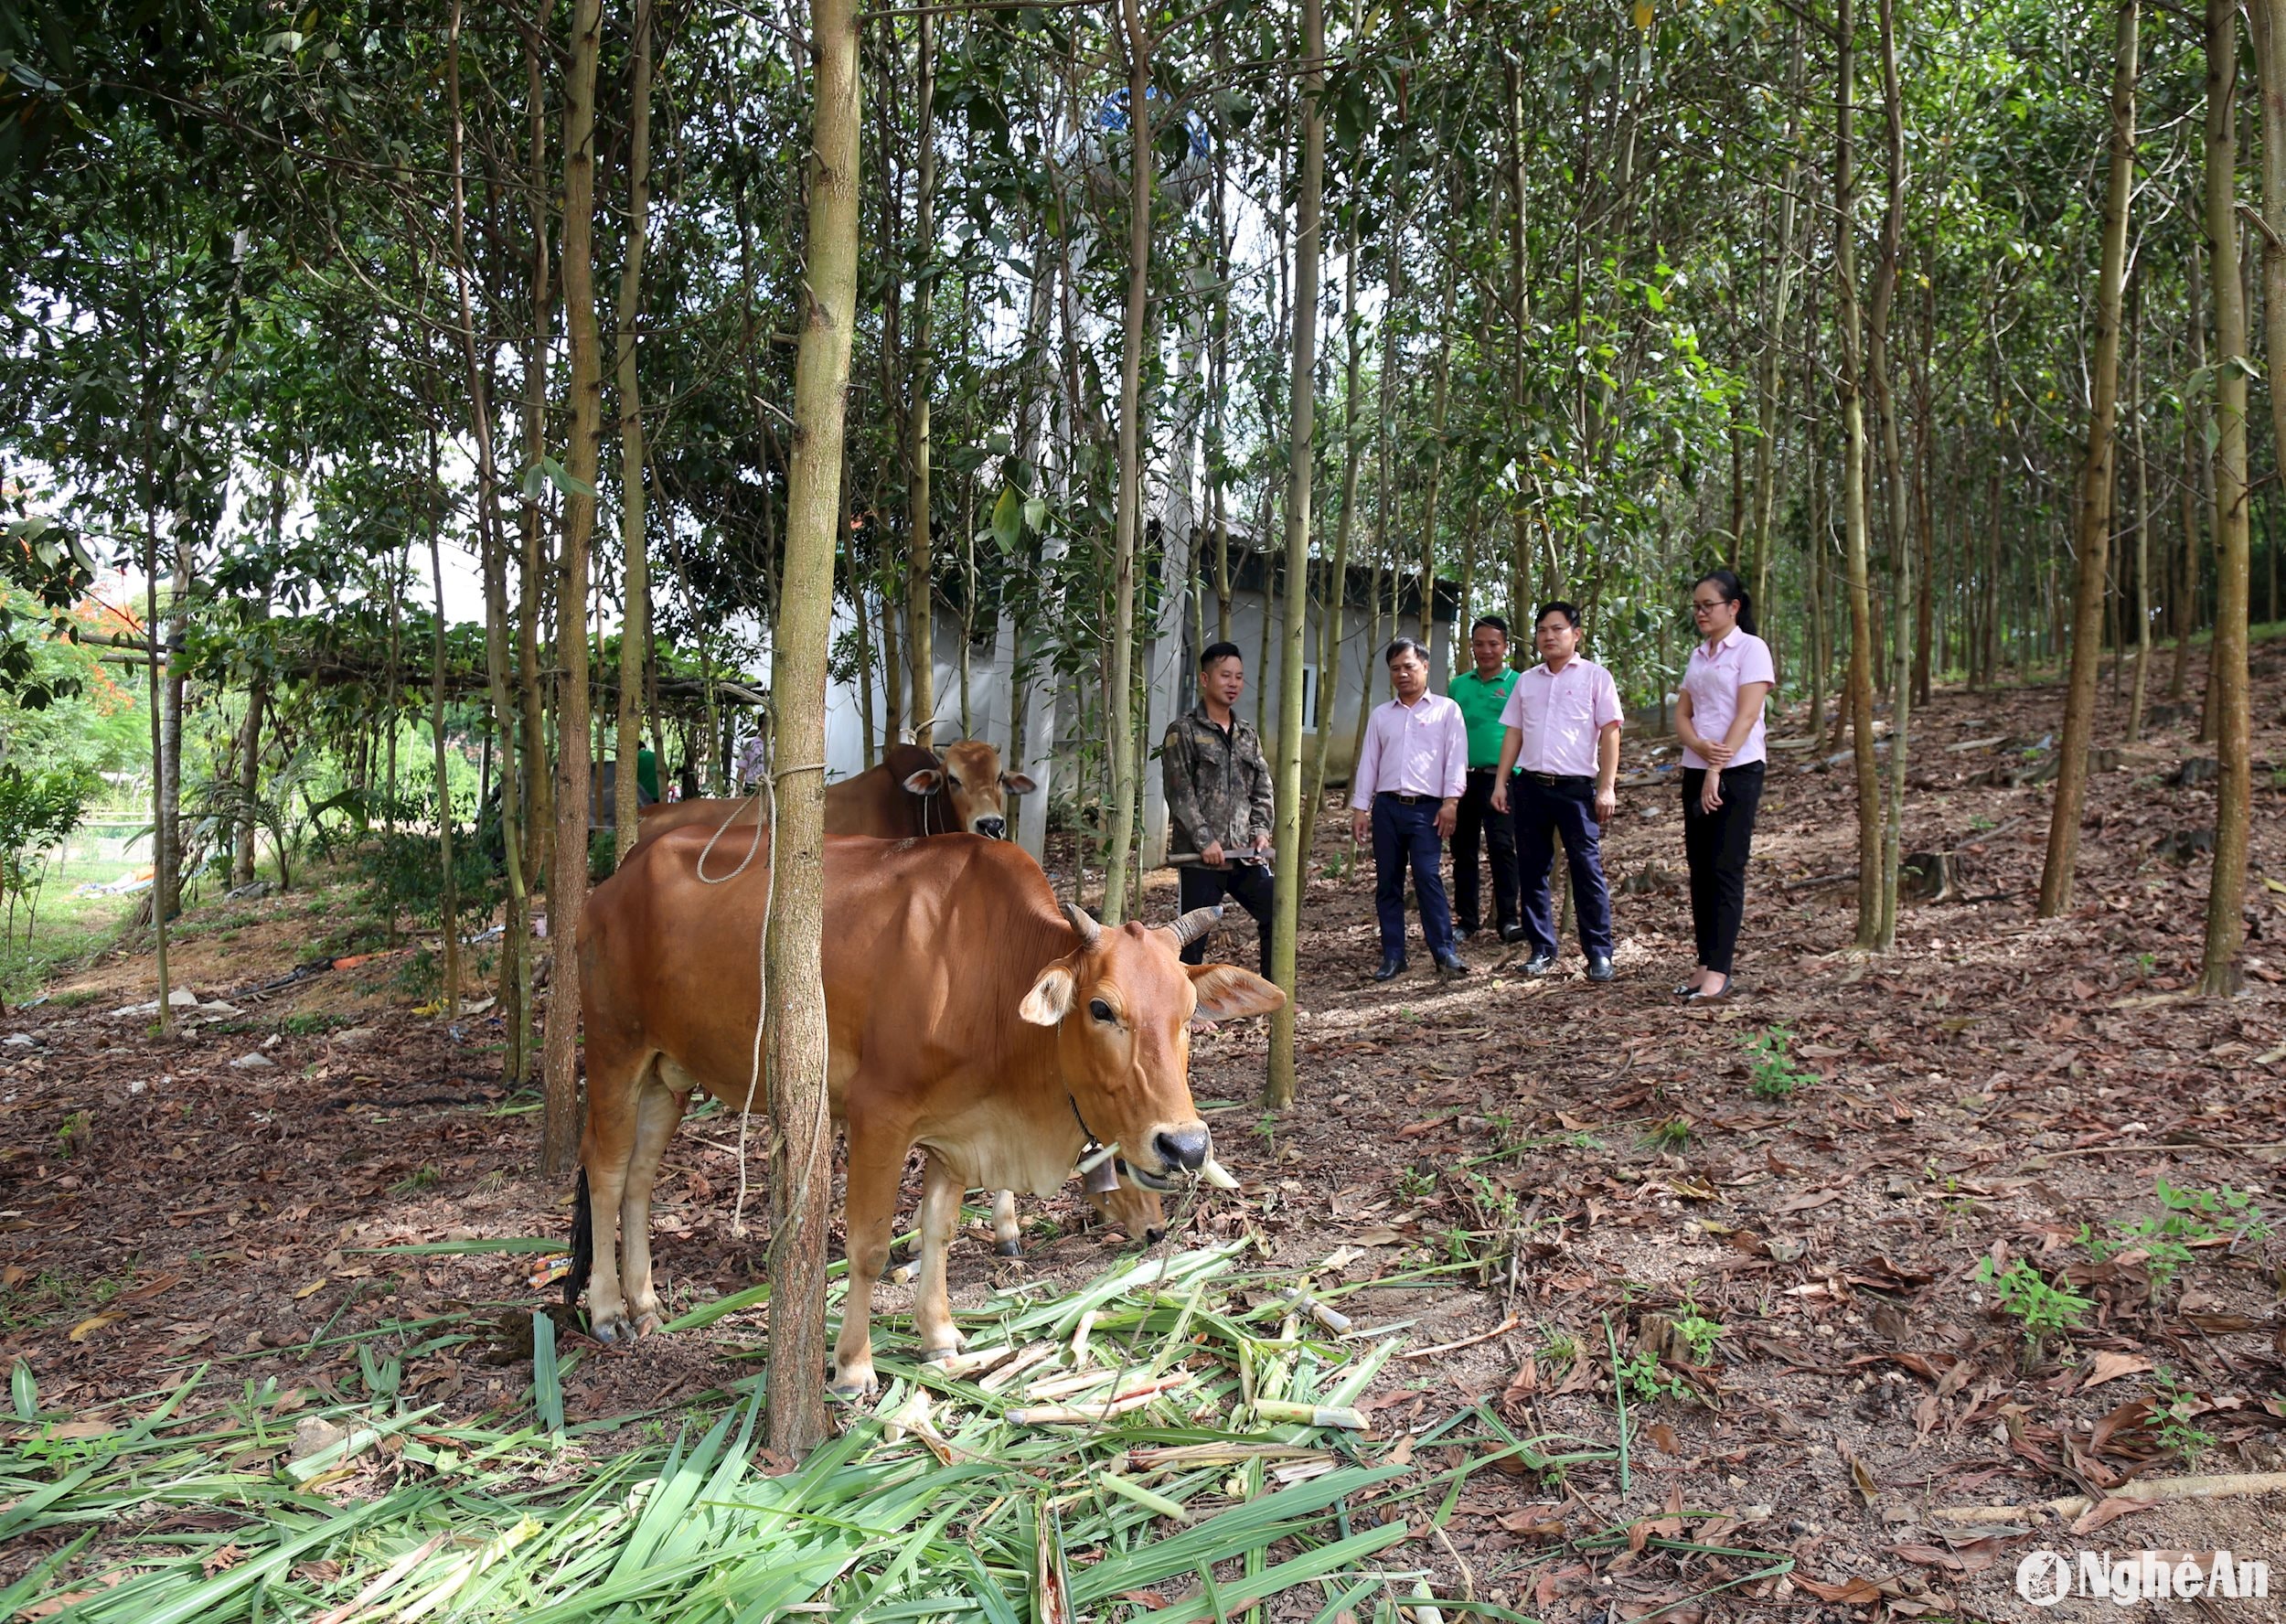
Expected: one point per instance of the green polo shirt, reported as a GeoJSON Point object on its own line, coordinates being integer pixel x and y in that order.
{"type": "Point", "coordinates": [1481, 703]}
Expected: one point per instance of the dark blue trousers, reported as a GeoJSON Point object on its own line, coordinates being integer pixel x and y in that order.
{"type": "Point", "coordinates": [1544, 810]}
{"type": "Point", "coordinates": [1406, 834]}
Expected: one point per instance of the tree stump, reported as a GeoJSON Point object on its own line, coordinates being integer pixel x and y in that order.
{"type": "Point", "coordinates": [1930, 876]}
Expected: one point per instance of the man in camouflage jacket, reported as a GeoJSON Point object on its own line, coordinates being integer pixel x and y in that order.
{"type": "Point", "coordinates": [1218, 799]}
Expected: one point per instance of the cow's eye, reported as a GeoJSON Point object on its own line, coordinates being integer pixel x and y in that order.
{"type": "Point", "coordinates": [1099, 1010]}
{"type": "Point", "coordinates": [951, 782]}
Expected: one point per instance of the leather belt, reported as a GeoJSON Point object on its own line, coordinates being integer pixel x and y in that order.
{"type": "Point", "coordinates": [1407, 798]}
{"type": "Point", "coordinates": [1556, 779]}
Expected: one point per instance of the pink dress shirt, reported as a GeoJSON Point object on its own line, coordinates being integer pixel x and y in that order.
{"type": "Point", "coordinates": [1560, 715]}
{"type": "Point", "coordinates": [1717, 672]}
{"type": "Point", "coordinates": [1421, 750]}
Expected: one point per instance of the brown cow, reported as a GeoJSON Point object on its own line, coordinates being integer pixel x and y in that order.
{"type": "Point", "coordinates": [965, 1015]}
{"type": "Point", "coordinates": [912, 791]}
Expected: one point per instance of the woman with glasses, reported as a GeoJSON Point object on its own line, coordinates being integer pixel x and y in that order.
{"type": "Point", "coordinates": [1719, 717]}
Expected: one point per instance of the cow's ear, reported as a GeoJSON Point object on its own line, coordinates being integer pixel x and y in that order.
{"type": "Point", "coordinates": [1020, 784]}
{"type": "Point", "coordinates": [1226, 992]}
{"type": "Point", "coordinates": [927, 781]}
{"type": "Point", "coordinates": [1050, 998]}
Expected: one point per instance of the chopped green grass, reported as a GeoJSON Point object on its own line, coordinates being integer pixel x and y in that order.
{"type": "Point", "coordinates": [938, 1502]}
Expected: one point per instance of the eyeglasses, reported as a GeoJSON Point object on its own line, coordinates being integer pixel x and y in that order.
{"type": "Point", "coordinates": [1703, 607]}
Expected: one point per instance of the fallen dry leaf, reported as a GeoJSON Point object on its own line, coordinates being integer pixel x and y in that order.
{"type": "Point", "coordinates": [93, 1323]}
{"type": "Point", "coordinates": [2110, 1366]}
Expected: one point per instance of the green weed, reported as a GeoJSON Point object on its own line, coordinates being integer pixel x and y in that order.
{"type": "Point", "coordinates": [1416, 1183]}
{"type": "Point", "coordinates": [2042, 1307]}
{"type": "Point", "coordinates": [2173, 1406]}
{"type": "Point", "coordinates": [1699, 1332]}
{"type": "Point", "coordinates": [418, 1179]}
{"type": "Point", "coordinates": [1776, 1076]}
{"type": "Point", "coordinates": [2192, 1217]}
{"type": "Point", "coordinates": [1645, 1382]}
{"type": "Point", "coordinates": [1671, 1135]}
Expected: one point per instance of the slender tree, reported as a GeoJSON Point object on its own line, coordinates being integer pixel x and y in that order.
{"type": "Point", "coordinates": [1285, 908]}
{"type": "Point", "coordinates": [635, 624]}
{"type": "Point", "coordinates": [2095, 484]}
{"type": "Point", "coordinates": [801, 1160]}
{"type": "Point", "coordinates": [2226, 657]}
{"type": "Point", "coordinates": [1882, 377]}
{"type": "Point", "coordinates": [1129, 511]}
{"type": "Point", "coordinates": [1860, 699]}
{"type": "Point", "coordinates": [567, 885]}
{"type": "Point", "coordinates": [920, 562]}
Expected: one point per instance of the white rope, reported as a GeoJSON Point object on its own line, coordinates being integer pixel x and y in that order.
{"type": "Point", "coordinates": [761, 967]}
{"type": "Point", "coordinates": [752, 847]}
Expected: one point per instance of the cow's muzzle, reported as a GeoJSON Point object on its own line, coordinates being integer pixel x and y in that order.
{"type": "Point", "coordinates": [1184, 1147]}
{"type": "Point", "coordinates": [991, 828]}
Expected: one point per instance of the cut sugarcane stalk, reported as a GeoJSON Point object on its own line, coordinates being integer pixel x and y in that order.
{"type": "Point", "coordinates": [1143, 1497]}
{"type": "Point", "coordinates": [1341, 1416]}
{"type": "Point", "coordinates": [1005, 1375]}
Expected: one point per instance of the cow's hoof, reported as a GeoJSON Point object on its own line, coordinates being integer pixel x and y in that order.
{"type": "Point", "coordinates": [613, 1329]}
{"type": "Point", "coordinates": [938, 1355]}
{"type": "Point", "coordinates": [852, 1388]}
{"type": "Point", "coordinates": [1008, 1249]}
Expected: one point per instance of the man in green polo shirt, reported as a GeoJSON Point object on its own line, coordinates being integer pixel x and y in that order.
{"type": "Point", "coordinates": [1482, 695]}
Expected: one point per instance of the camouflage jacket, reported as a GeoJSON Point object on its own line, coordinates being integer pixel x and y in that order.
{"type": "Point", "coordinates": [1218, 786]}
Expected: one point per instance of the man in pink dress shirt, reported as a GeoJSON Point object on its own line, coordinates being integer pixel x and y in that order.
{"type": "Point", "coordinates": [1407, 790]}
{"type": "Point", "coordinates": [1563, 722]}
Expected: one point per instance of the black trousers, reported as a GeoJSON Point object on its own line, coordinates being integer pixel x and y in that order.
{"type": "Point", "coordinates": [1499, 829]}
{"type": "Point", "coordinates": [1247, 885]}
{"type": "Point", "coordinates": [1716, 844]}
{"type": "Point", "coordinates": [1544, 811]}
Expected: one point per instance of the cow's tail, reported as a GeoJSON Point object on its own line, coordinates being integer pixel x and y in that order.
{"type": "Point", "coordinates": [582, 1246]}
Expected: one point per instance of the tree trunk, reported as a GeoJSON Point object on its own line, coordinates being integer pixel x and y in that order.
{"type": "Point", "coordinates": [2142, 519]}
{"type": "Point", "coordinates": [249, 727]}
{"type": "Point", "coordinates": [2198, 488]}
{"type": "Point", "coordinates": [2226, 674]}
{"type": "Point", "coordinates": [1130, 504]}
{"type": "Point", "coordinates": [1893, 479]}
{"type": "Point", "coordinates": [920, 569]}
{"type": "Point", "coordinates": [156, 656]}
{"type": "Point", "coordinates": [1861, 674]}
{"type": "Point", "coordinates": [567, 887]}
{"type": "Point", "coordinates": [1337, 577]}
{"type": "Point", "coordinates": [532, 588]}
{"type": "Point", "coordinates": [1436, 457]}
{"type": "Point", "coordinates": [451, 888]}
{"type": "Point", "coordinates": [1277, 1092]}
{"type": "Point", "coordinates": [801, 1162]}
{"type": "Point", "coordinates": [634, 625]}
{"type": "Point", "coordinates": [1924, 510]}
{"type": "Point", "coordinates": [2094, 541]}
{"type": "Point", "coordinates": [1774, 331]}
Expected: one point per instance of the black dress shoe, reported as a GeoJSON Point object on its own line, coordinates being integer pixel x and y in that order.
{"type": "Point", "coordinates": [1512, 933]}
{"type": "Point", "coordinates": [1599, 967]}
{"type": "Point", "coordinates": [1391, 965]}
{"type": "Point", "coordinates": [1450, 964]}
{"type": "Point", "coordinates": [1539, 964]}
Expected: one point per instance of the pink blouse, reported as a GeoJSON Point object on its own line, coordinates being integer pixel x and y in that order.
{"type": "Point", "coordinates": [1717, 672]}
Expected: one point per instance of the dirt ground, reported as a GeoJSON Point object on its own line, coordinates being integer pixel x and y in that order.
{"type": "Point", "coordinates": [1785, 1284]}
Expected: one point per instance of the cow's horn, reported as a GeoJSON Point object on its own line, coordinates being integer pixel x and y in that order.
{"type": "Point", "coordinates": [1090, 932]}
{"type": "Point", "coordinates": [1194, 926]}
